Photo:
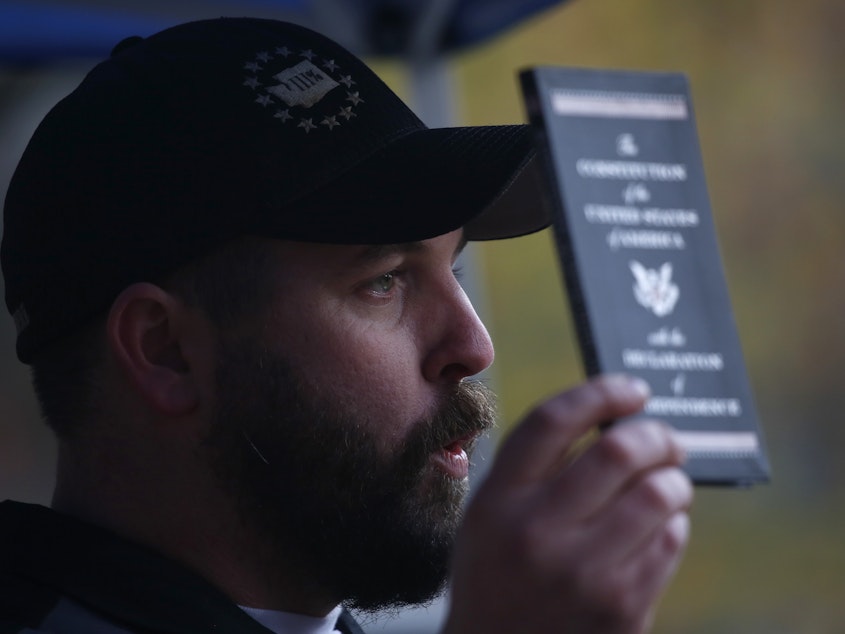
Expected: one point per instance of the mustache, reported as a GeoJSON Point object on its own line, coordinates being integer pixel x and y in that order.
{"type": "Point", "coordinates": [466, 412]}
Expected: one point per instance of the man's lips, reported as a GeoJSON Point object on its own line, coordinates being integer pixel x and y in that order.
{"type": "Point", "coordinates": [453, 458]}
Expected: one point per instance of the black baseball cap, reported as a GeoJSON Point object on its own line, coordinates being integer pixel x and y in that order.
{"type": "Point", "coordinates": [211, 130]}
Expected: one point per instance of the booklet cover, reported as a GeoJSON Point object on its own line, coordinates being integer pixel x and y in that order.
{"type": "Point", "coordinates": [639, 255]}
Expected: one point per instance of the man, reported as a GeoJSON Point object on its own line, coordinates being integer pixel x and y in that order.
{"type": "Point", "coordinates": [230, 256]}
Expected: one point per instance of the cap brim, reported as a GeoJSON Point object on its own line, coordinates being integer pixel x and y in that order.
{"type": "Point", "coordinates": [427, 183]}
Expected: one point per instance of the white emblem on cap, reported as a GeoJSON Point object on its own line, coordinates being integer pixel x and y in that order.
{"type": "Point", "coordinates": [302, 85]}
{"type": "Point", "coordinates": [291, 92]}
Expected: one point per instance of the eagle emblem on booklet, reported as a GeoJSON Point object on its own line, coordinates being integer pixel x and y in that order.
{"type": "Point", "coordinates": [640, 258]}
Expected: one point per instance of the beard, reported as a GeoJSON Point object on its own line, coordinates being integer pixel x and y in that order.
{"type": "Point", "coordinates": [372, 527]}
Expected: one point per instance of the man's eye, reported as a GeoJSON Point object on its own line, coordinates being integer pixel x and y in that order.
{"type": "Point", "coordinates": [384, 283]}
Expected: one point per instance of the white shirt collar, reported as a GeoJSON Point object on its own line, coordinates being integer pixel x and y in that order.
{"type": "Point", "coordinates": [290, 623]}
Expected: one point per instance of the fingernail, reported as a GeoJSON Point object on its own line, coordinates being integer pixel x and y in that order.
{"type": "Point", "coordinates": [678, 527]}
{"type": "Point", "coordinates": [630, 386]}
{"type": "Point", "coordinates": [640, 387]}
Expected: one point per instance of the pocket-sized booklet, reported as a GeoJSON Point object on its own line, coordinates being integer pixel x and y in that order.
{"type": "Point", "coordinates": [640, 258]}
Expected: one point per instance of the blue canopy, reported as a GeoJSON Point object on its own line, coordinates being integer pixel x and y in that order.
{"type": "Point", "coordinates": [43, 31]}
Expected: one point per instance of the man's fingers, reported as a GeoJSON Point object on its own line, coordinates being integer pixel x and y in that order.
{"type": "Point", "coordinates": [612, 463]}
{"type": "Point", "coordinates": [536, 446]}
{"type": "Point", "coordinates": [625, 527]}
{"type": "Point", "coordinates": [630, 590]}
{"type": "Point", "coordinates": [657, 561]}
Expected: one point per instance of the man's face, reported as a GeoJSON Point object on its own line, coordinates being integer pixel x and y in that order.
{"type": "Point", "coordinates": [342, 422]}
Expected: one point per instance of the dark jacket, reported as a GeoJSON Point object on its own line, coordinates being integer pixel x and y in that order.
{"type": "Point", "coordinates": [64, 576]}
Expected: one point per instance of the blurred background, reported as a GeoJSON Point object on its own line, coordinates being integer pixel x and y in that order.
{"type": "Point", "coordinates": [768, 92]}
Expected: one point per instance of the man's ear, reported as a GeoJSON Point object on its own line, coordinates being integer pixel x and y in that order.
{"type": "Point", "coordinates": [146, 331]}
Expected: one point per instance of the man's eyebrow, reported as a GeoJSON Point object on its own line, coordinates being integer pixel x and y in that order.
{"type": "Point", "coordinates": [376, 252]}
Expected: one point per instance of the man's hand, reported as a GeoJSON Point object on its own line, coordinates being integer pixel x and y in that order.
{"type": "Point", "coordinates": [552, 543]}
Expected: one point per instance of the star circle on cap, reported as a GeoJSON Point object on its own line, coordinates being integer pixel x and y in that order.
{"type": "Point", "coordinates": [346, 113]}
{"type": "Point", "coordinates": [292, 82]}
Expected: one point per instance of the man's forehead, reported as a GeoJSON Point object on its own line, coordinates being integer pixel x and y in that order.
{"type": "Point", "coordinates": [451, 244]}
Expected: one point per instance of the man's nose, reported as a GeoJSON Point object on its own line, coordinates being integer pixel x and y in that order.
{"type": "Point", "coordinates": [461, 345]}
